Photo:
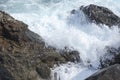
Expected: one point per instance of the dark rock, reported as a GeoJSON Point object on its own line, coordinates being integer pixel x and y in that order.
{"type": "Point", "coordinates": [100, 15]}
{"type": "Point", "coordinates": [110, 73]}
{"type": "Point", "coordinates": [23, 54]}
{"type": "Point", "coordinates": [5, 74]}
{"type": "Point", "coordinates": [73, 11]}
{"type": "Point", "coordinates": [70, 55]}
{"type": "Point", "coordinates": [111, 57]}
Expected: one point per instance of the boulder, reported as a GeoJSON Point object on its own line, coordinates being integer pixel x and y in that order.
{"type": "Point", "coordinates": [109, 73]}
{"type": "Point", "coordinates": [100, 15]}
{"type": "Point", "coordinates": [23, 54]}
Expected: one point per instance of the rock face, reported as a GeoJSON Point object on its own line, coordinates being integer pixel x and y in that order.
{"type": "Point", "coordinates": [23, 54]}
{"type": "Point", "coordinates": [100, 15]}
{"type": "Point", "coordinates": [110, 73]}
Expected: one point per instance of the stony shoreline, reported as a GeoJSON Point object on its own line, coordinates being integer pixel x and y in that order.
{"type": "Point", "coordinates": [25, 56]}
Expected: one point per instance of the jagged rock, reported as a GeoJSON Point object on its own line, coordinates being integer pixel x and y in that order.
{"type": "Point", "coordinates": [111, 57]}
{"type": "Point", "coordinates": [23, 54]}
{"type": "Point", "coordinates": [100, 15]}
{"type": "Point", "coordinates": [70, 55]}
{"type": "Point", "coordinates": [110, 73]}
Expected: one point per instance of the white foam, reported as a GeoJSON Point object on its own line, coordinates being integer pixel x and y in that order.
{"type": "Point", "coordinates": [52, 20]}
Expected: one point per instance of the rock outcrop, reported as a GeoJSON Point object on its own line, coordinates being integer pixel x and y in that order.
{"type": "Point", "coordinates": [100, 15]}
{"type": "Point", "coordinates": [110, 63]}
{"type": "Point", "coordinates": [110, 73]}
{"type": "Point", "coordinates": [23, 54]}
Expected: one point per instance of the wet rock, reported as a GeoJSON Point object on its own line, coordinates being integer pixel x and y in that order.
{"type": "Point", "coordinates": [100, 15]}
{"type": "Point", "coordinates": [110, 73]}
{"type": "Point", "coordinates": [71, 55]}
{"type": "Point", "coordinates": [53, 58]}
{"type": "Point", "coordinates": [111, 57]}
{"type": "Point", "coordinates": [23, 54]}
{"type": "Point", "coordinates": [73, 11]}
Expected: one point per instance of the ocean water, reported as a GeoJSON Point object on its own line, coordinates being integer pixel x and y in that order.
{"type": "Point", "coordinates": [52, 20]}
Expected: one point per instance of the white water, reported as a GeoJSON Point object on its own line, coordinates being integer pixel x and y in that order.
{"type": "Point", "coordinates": [52, 20]}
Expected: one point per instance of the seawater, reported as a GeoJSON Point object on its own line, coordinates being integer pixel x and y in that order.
{"type": "Point", "coordinates": [52, 20]}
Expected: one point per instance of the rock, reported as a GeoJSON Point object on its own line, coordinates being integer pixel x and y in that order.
{"type": "Point", "coordinates": [23, 54]}
{"type": "Point", "coordinates": [43, 70]}
{"type": "Point", "coordinates": [100, 15]}
{"type": "Point", "coordinates": [110, 73]}
{"type": "Point", "coordinates": [111, 57]}
{"type": "Point", "coordinates": [70, 55]}
{"type": "Point", "coordinates": [73, 11]}
{"type": "Point", "coordinates": [53, 58]}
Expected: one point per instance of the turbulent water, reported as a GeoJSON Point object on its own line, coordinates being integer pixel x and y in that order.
{"type": "Point", "coordinates": [52, 20]}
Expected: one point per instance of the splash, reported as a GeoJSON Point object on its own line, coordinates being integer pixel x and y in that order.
{"type": "Point", "coordinates": [52, 20]}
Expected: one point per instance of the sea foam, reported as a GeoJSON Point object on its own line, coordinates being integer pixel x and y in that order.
{"type": "Point", "coordinates": [52, 19]}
